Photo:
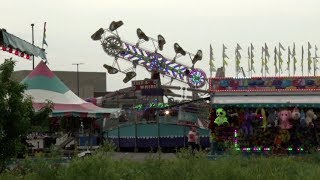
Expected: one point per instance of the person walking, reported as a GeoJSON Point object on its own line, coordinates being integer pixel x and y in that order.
{"type": "Point", "coordinates": [192, 139]}
{"type": "Point", "coordinates": [197, 140]}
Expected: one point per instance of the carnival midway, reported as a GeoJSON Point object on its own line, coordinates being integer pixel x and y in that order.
{"type": "Point", "coordinates": [277, 112]}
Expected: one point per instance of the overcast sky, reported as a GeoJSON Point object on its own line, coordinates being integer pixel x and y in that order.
{"type": "Point", "coordinates": [194, 24]}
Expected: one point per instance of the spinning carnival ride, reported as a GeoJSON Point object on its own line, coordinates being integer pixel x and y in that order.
{"type": "Point", "coordinates": [152, 61]}
{"type": "Point", "coordinates": [160, 134]}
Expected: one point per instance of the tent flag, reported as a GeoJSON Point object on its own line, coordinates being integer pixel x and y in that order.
{"type": "Point", "coordinates": [280, 57]}
{"type": "Point", "coordinates": [211, 62]}
{"type": "Point", "coordinates": [289, 58]}
{"type": "Point", "coordinates": [281, 47]}
{"type": "Point", "coordinates": [224, 55]}
{"type": "Point", "coordinates": [262, 60]}
{"type": "Point", "coordinates": [302, 55]}
{"type": "Point", "coordinates": [315, 57]}
{"type": "Point", "coordinates": [252, 60]}
{"type": "Point", "coordinates": [249, 59]}
{"type": "Point", "coordinates": [294, 58]}
{"type": "Point", "coordinates": [267, 57]}
{"type": "Point", "coordinates": [309, 58]}
{"type": "Point", "coordinates": [238, 57]}
{"type": "Point", "coordinates": [275, 61]}
{"type": "Point", "coordinates": [44, 42]}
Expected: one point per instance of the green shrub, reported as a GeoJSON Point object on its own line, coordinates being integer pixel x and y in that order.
{"type": "Point", "coordinates": [185, 166]}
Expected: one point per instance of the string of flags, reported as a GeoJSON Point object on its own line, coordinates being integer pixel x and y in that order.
{"type": "Point", "coordinates": [278, 60]}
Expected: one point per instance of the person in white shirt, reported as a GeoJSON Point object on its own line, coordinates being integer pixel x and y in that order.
{"type": "Point", "coordinates": [193, 138]}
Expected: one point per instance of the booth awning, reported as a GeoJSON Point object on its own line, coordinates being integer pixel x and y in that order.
{"type": "Point", "coordinates": [267, 101]}
{"type": "Point", "coordinates": [11, 41]}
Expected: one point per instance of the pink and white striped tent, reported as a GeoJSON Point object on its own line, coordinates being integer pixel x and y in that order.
{"type": "Point", "coordinates": [44, 85]}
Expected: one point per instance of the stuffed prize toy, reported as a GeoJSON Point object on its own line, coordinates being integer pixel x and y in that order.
{"type": "Point", "coordinates": [303, 119]}
{"type": "Point", "coordinates": [284, 117]}
{"type": "Point", "coordinates": [221, 118]}
{"type": "Point", "coordinates": [310, 116]}
{"type": "Point", "coordinates": [272, 117]}
{"type": "Point", "coordinates": [247, 124]}
{"type": "Point", "coordinates": [262, 116]}
{"type": "Point", "coordinates": [296, 115]}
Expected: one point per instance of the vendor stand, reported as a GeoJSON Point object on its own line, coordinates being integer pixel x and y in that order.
{"type": "Point", "coordinates": [275, 115]}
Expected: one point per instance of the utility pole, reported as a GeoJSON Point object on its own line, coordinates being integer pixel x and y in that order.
{"type": "Point", "coordinates": [32, 25]}
{"type": "Point", "coordinates": [78, 81]}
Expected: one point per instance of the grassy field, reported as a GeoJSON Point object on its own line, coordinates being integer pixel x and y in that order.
{"type": "Point", "coordinates": [102, 165]}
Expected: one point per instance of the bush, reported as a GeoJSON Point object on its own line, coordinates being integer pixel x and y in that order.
{"type": "Point", "coordinates": [184, 166]}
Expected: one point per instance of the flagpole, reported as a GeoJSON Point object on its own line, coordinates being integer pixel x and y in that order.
{"type": "Point", "coordinates": [265, 62]}
{"type": "Point", "coordinates": [32, 25]}
{"type": "Point", "coordinates": [302, 60]}
{"type": "Point", "coordinates": [262, 67]}
{"type": "Point", "coordinates": [235, 57]}
{"type": "Point", "coordinates": [210, 63]}
{"type": "Point", "coordinates": [265, 59]}
{"type": "Point", "coordinates": [249, 59]}
{"type": "Point", "coordinates": [289, 54]}
{"type": "Point", "coordinates": [314, 61]}
{"type": "Point", "coordinates": [279, 60]}
{"type": "Point", "coordinates": [44, 31]}
{"type": "Point", "coordinates": [223, 64]}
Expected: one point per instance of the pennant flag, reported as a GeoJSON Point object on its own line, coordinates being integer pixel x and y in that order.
{"type": "Point", "coordinates": [315, 59]}
{"type": "Point", "coordinates": [211, 61]}
{"type": "Point", "coordinates": [44, 42]}
{"type": "Point", "coordinates": [289, 59]}
{"type": "Point", "coordinates": [267, 57]}
{"type": "Point", "coordinates": [280, 57]}
{"type": "Point", "coordinates": [238, 57]}
{"type": "Point", "coordinates": [309, 45]}
{"type": "Point", "coordinates": [238, 47]}
{"type": "Point", "coordinates": [281, 47]}
{"type": "Point", "coordinates": [225, 63]}
{"type": "Point", "coordinates": [266, 50]}
{"type": "Point", "coordinates": [294, 59]}
{"type": "Point", "coordinates": [249, 59]}
{"type": "Point", "coordinates": [275, 61]}
{"type": "Point", "coordinates": [262, 60]}
{"type": "Point", "coordinates": [302, 55]}
{"type": "Point", "coordinates": [252, 56]}
{"type": "Point", "coordinates": [309, 58]}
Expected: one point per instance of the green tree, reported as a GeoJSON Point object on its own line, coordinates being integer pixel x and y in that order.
{"type": "Point", "coordinates": [17, 116]}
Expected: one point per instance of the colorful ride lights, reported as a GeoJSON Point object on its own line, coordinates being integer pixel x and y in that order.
{"type": "Point", "coordinates": [258, 149]}
{"type": "Point", "coordinates": [15, 52]}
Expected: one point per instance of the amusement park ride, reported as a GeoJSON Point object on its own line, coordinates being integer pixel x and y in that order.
{"type": "Point", "coordinates": [151, 60]}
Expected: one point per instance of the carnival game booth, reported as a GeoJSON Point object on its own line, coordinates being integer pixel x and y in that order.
{"type": "Point", "coordinates": [70, 112]}
{"type": "Point", "coordinates": [167, 129]}
{"type": "Point", "coordinates": [269, 114]}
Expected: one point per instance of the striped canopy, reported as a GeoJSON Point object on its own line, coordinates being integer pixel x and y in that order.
{"type": "Point", "coordinates": [43, 84]}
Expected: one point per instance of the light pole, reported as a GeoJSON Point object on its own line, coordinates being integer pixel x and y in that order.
{"type": "Point", "coordinates": [78, 82]}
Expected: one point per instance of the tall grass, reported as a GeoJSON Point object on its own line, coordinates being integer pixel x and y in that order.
{"type": "Point", "coordinates": [185, 166]}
